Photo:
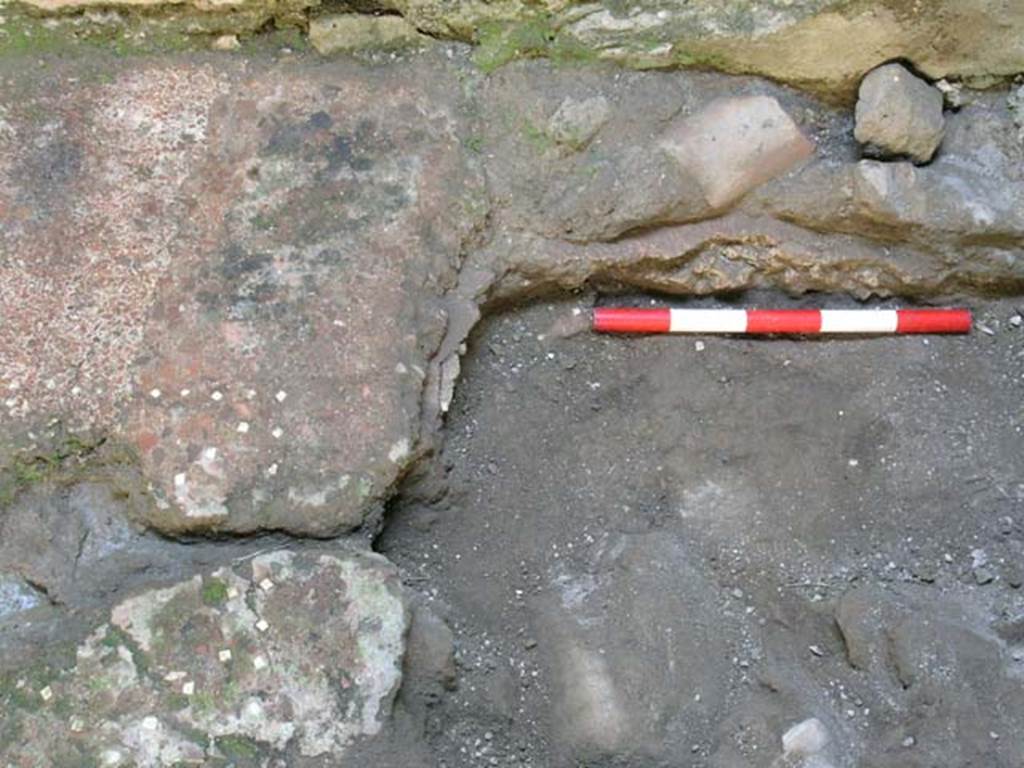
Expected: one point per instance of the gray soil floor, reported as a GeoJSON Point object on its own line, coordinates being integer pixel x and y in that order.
{"type": "Point", "coordinates": [672, 549]}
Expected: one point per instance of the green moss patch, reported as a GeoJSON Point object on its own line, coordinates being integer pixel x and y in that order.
{"type": "Point", "coordinates": [215, 592]}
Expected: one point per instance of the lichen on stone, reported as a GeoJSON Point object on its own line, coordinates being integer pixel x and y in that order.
{"type": "Point", "coordinates": [226, 664]}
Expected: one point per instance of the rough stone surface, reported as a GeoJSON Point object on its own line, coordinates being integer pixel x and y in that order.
{"type": "Point", "coordinates": [575, 122]}
{"type": "Point", "coordinates": [354, 32]}
{"type": "Point", "coordinates": [869, 228]}
{"type": "Point", "coordinates": [898, 114]}
{"type": "Point", "coordinates": [734, 145]}
{"type": "Point", "coordinates": [431, 654]}
{"type": "Point", "coordinates": [282, 289]}
{"type": "Point", "coordinates": [824, 45]}
{"type": "Point", "coordinates": [16, 595]}
{"type": "Point", "coordinates": [61, 538]}
{"type": "Point", "coordinates": [227, 666]}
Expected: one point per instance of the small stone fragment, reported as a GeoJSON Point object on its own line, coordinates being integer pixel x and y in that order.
{"type": "Point", "coordinates": [224, 655]}
{"type": "Point", "coordinates": [984, 575]}
{"type": "Point", "coordinates": [736, 144]}
{"type": "Point", "coordinates": [898, 115]}
{"type": "Point", "coordinates": [575, 123]}
{"type": "Point", "coordinates": [805, 738]}
{"type": "Point", "coordinates": [226, 43]}
{"type": "Point", "coordinates": [266, 585]}
{"type": "Point", "coordinates": [262, 625]}
{"type": "Point", "coordinates": [357, 31]}
{"type": "Point", "coordinates": [952, 93]}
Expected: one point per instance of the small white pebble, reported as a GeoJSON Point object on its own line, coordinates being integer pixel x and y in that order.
{"type": "Point", "coordinates": [155, 394]}
{"type": "Point", "coordinates": [272, 469]}
{"type": "Point", "coordinates": [908, 742]}
{"type": "Point", "coordinates": [188, 688]}
{"type": "Point", "coordinates": [185, 392]}
{"type": "Point", "coordinates": [243, 427]}
{"type": "Point", "coordinates": [77, 725]}
{"type": "Point", "coordinates": [806, 738]}
{"type": "Point", "coordinates": [266, 585]}
{"type": "Point", "coordinates": [699, 346]}
{"type": "Point", "coordinates": [224, 655]}
{"type": "Point", "coordinates": [262, 625]}
{"type": "Point", "coordinates": [1016, 321]}
{"type": "Point", "coordinates": [175, 676]}
{"type": "Point", "coordinates": [853, 462]}
{"type": "Point", "coordinates": [46, 693]}
{"type": "Point", "coordinates": [259, 662]}
{"type": "Point", "coordinates": [277, 432]}
{"type": "Point", "coordinates": [280, 396]}
{"type": "Point", "coordinates": [217, 396]}
{"type": "Point", "coordinates": [993, 735]}
{"type": "Point", "coordinates": [815, 650]}
{"type": "Point", "coordinates": [986, 330]}
{"type": "Point", "coordinates": [250, 394]}
{"type": "Point", "coordinates": [232, 593]}
{"type": "Point", "coordinates": [150, 723]}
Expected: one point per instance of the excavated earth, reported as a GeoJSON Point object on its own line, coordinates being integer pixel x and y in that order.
{"type": "Point", "coordinates": [307, 457]}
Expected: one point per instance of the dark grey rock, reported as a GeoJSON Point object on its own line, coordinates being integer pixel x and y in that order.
{"type": "Point", "coordinates": [898, 114]}
{"type": "Point", "coordinates": [430, 654]}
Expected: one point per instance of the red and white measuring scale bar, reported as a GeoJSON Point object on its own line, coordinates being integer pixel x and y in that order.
{"type": "Point", "coordinates": [756, 321]}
